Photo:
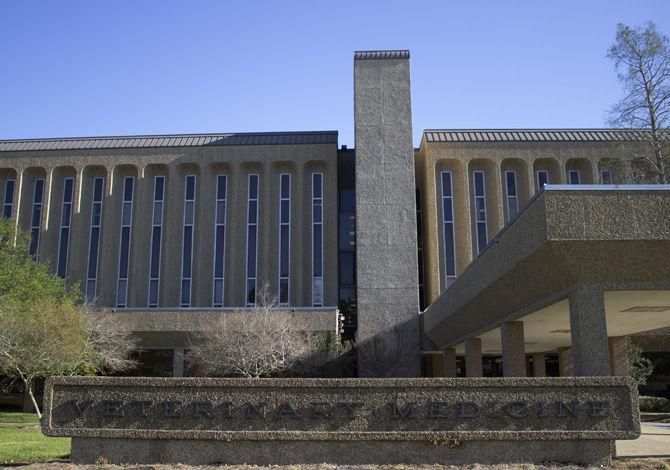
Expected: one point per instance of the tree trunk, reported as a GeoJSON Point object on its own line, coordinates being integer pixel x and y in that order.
{"type": "Point", "coordinates": [29, 387]}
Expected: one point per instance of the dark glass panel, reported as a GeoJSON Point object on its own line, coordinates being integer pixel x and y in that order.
{"type": "Point", "coordinates": [347, 269]}
{"type": "Point", "coordinates": [446, 183]}
{"type": "Point", "coordinates": [34, 239]}
{"type": "Point", "coordinates": [253, 186]}
{"type": "Point", "coordinates": [284, 244]}
{"type": "Point", "coordinates": [190, 188]}
{"type": "Point", "coordinates": [317, 244]}
{"type": "Point", "coordinates": [511, 183]}
{"type": "Point", "coordinates": [97, 189]}
{"type": "Point", "coordinates": [155, 251]}
{"type": "Point", "coordinates": [285, 186]}
{"type": "Point", "coordinates": [39, 190]}
{"type": "Point", "coordinates": [37, 216]}
{"type": "Point", "coordinates": [347, 232]}
{"type": "Point", "coordinates": [9, 191]}
{"type": "Point", "coordinates": [285, 212]}
{"type": "Point", "coordinates": [159, 188]}
{"type": "Point", "coordinates": [97, 212]}
{"type": "Point", "coordinates": [221, 187]}
{"type": "Point", "coordinates": [479, 183]}
{"type": "Point", "coordinates": [317, 185]}
{"type": "Point", "coordinates": [253, 209]}
{"type": "Point", "coordinates": [125, 245]}
{"type": "Point", "coordinates": [67, 190]}
{"type": "Point", "coordinates": [449, 249]}
{"type": "Point", "coordinates": [187, 252]}
{"type": "Point", "coordinates": [283, 291]}
{"type": "Point", "coordinates": [218, 251]}
{"type": "Point", "coordinates": [128, 189]}
{"type": "Point", "coordinates": [62, 252]}
{"type": "Point", "coordinates": [316, 213]}
{"type": "Point", "coordinates": [65, 215]}
{"type": "Point", "coordinates": [447, 210]}
{"type": "Point", "coordinates": [251, 252]}
{"type": "Point", "coordinates": [221, 212]}
{"type": "Point", "coordinates": [185, 293]}
{"type": "Point", "coordinates": [251, 291]}
{"type": "Point", "coordinates": [93, 253]}
{"type": "Point", "coordinates": [481, 235]}
{"type": "Point", "coordinates": [347, 200]}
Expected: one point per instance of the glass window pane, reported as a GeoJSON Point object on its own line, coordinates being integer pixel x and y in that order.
{"type": "Point", "coordinates": [62, 252]}
{"type": "Point", "coordinates": [283, 291]}
{"type": "Point", "coordinates": [574, 177]}
{"type": "Point", "coordinates": [153, 292]}
{"type": "Point", "coordinates": [90, 289]}
{"type": "Point", "coordinates": [126, 213]}
{"type": "Point", "coordinates": [317, 241]}
{"type": "Point", "coordinates": [185, 293]}
{"type": "Point", "coordinates": [67, 191]}
{"type": "Point", "coordinates": [65, 215]}
{"type": "Point", "coordinates": [284, 244]}
{"type": "Point", "coordinates": [447, 209]}
{"type": "Point", "coordinates": [218, 251]}
{"type": "Point", "coordinates": [128, 189]}
{"type": "Point", "coordinates": [316, 213]}
{"type": "Point", "coordinates": [93, 253]}
{"type": "Point", "coordinates": [481, 236]}
{"type": "Point", "coordinates": [121, 293]}
{"type": "Point", "coordinates": [125, 245]}
{"type": "Point", "coordinates": [316, 185]}
{"type": "Point", "coordinates": [347, 200]}
{"type": "Point", "coordinates": [479, 183]}
{"type": "Point", "coordinates": [97, 189]}
{"type": "Point", "coordinates": [221, 187]}
{"type": "Point", "coordinates": [285, 186]}
{"type": "Point", "coordinates": [449, 249]}
{"type": "Point", "coordinates": [9, 192]}
{"type": "Point", "coordinates": [251, 251]}
{"type": "Point", "coordinates": [253, 186]}
{"type": "Point", "coordinates": [155, 251]}
{"type": "Point", "coordinates": [347, 232]}
{"type": "Point", "coordinates": [446, 183]}
{"type": "Point", "coordinates": [189, 212]}
{"type": "Point", "coordinates": [218, 292]}
{"type": "Point", "coordinates": [511, 183]}
{"type": "Point", "coordinates": [7, 211]}
{"type": "Point", "coordinates": [253, 209]}
{"type": "Point", "coordinates": [221, 212]}
{"type": "Point", "coordinates": [190, 188]}
{"type": "Point", "coordinates": [285, 212]}
{"type": "Point", "coordinates": [480, 208]}
{"type": "Point", "coordinates": [158, 213]}
{"type": "Point", "coordinates": [347, 269]}
{"type": "Point", "coordinates": [158, 188]}
{"type": "Point", "coordinates": [251, 292]}
{"type": "Point", "coordinates": [37, 216]}
{"type": "Point", "coordinates": [187, 252]}
{"type": "Point", "coordinates": [39, 188]}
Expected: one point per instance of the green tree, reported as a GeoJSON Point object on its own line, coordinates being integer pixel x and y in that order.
{"type": "Point", "coordinates": [44, 329]}
{"type": "Point", "coordinates": [642, 60]}
{"type": "Point", "coordinates": [640, 366]}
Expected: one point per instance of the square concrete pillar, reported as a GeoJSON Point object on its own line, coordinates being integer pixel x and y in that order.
{"type": "Point", "coordinates": [514, 356]}
{"type": "Point", "coordinates": [588, 328]}
{"type": "Point", "coordinates": [539, 365]}
{"type": "Point", "coordinates": [178, 362]}
{"type": "Point", "coordinates": [565, 362]}
{"type": "Point", "coordinates": [388, 334]}
{"type": "Point", "coordinates": [473, 358]}
{"type": "Point", "coordinates": [618, 351]}
{"type": "Point", "coordinates": [449, 362]}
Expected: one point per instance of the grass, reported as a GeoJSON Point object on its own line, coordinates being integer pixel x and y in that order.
{"type": "Point", "coordinates": [21, 440]}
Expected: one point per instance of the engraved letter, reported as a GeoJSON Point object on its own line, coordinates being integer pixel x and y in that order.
{"type": "Point", "coordinates": [321, 410]}
{"type": "Point", "coordinates": [437, 409]}
{"type": "Point", "coordinates": [227, 409]}
{"type": "Point", "coordinates": [202, 409]}
{"type": "Point", "coordinates": [542, 410]}
{"type": "Point", "coordinates": [251, 410]}
{"type": "Point", "coordinates": [286, 410]}
{"type": "Point", "coordinates": [572, 407]}
{"type": "Point", "coordinates": [171, 409]}
{"type": "Point", "coordinates": [598, 409]}
{"type": "Point", "coordinates": [517, 409]}
{"type": "Point", "coordinates": [82, 406]}
{"type": "Point", "coordinates": [143, 404]}
{"type": "Point", "coordinates": [351, 407]}
{"type": "Point", "coordinates": [468, 409]}
{"type": "Point", "coordinates": [112, 408]}
{"type": "Point", "coordinates": [407, 412]}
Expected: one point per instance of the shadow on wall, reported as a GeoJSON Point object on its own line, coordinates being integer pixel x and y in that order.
{"type": "Point", "coordinates": [392, 353]}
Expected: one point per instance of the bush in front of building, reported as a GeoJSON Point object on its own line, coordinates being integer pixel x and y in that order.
{"type": "Point", "coordinates": [654, 405]}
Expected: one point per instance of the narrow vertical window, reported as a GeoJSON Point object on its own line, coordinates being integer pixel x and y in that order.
{"type": "Point", "coordinates": [542, 178]}
{"type": "Point", "coordinates": [252, 240]}
{"type": "Point", "coordinates": [606, 177]}
{"type": "Point", "coordinates": [284, 238]}
{"type": "Point", "coordinates": [317, 239]}
{"type": "Point", "coordinates": [574, 177]}
{"type": "Point", "coordinates": [479, 180]}
{"type": "Point", "coordinates": [448, 229]}
{"type": "Point", "coordinates": [219, 241]}
{"type": "Point", "coordinates": [94, 238]}
{"type": "Point", "coordinates": [36, 217]}
{"type": "Point", "coordinates": [9, 199]}
{"type": "Point", "coordinates": [187, 241]}
{"type": "Point", "coordinates": [124, 241]}
{"type": "Point", "coordinates": [511, 194]}
{"type": "Point", "coordinates": [64, 234]}
{"type": "Point", "coordinates": [153, 291]}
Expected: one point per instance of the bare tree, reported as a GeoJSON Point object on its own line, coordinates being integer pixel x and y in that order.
{"type": "Point", "coordinates": [642, 61]}
{"type": "Point", "coordinates": [260, 342]}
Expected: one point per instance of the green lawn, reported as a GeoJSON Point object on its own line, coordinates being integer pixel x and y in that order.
{"type": "Point", "coordinates": [21, 440]}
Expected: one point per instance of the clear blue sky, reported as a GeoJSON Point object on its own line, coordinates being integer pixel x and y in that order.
{"type": "Point", "coordinates": [71, 68]}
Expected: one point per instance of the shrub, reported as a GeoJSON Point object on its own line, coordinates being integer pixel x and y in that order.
{"type": "Point", "coordinates": [654, 405]}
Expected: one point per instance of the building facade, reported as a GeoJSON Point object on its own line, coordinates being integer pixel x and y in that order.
{"type": "Point", "coordinates": [170, 232]}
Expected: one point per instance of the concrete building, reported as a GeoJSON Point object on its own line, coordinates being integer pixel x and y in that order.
{"type": "Point", "coordinates": [514, 243]}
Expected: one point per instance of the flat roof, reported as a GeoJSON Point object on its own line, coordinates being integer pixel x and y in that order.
{"type": "Point", "coordinates": [169, 140]}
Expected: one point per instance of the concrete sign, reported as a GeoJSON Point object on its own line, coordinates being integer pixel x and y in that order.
{"type": "Point", "coordinates": [141, 420]}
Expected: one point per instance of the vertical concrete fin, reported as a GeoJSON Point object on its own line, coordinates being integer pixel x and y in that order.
{"type": "Point", "coordinates": [388, 323]}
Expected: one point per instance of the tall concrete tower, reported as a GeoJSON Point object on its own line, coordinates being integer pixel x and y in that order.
{"type": "Point", "coordinates": [388, 334]}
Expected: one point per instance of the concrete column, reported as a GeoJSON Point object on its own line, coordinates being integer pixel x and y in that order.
{"type": "Point", "coordinates": [178, 362]}
{"type": "Point", "coordinates": [618, 351]}
{"type": "Point", "coordinates": [514, 356]}
{"type": "Point", "coordinates": [388, 285]}
{"type": "Point", "coordinates": [565, 362]}
{"type": "Point", "coordinates": [438, 367]}
{"type": "Point", "coordinates": [449, 362]}
{"type": "Point", "coordinates": [539, 365]}
{"type": "Point", "coordinates": [473, 357]}
{"type": "Point", "coordinates": [589, 332]}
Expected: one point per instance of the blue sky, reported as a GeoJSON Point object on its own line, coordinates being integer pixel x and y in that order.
{"type": "Point", "coordinates": [77, 68]}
